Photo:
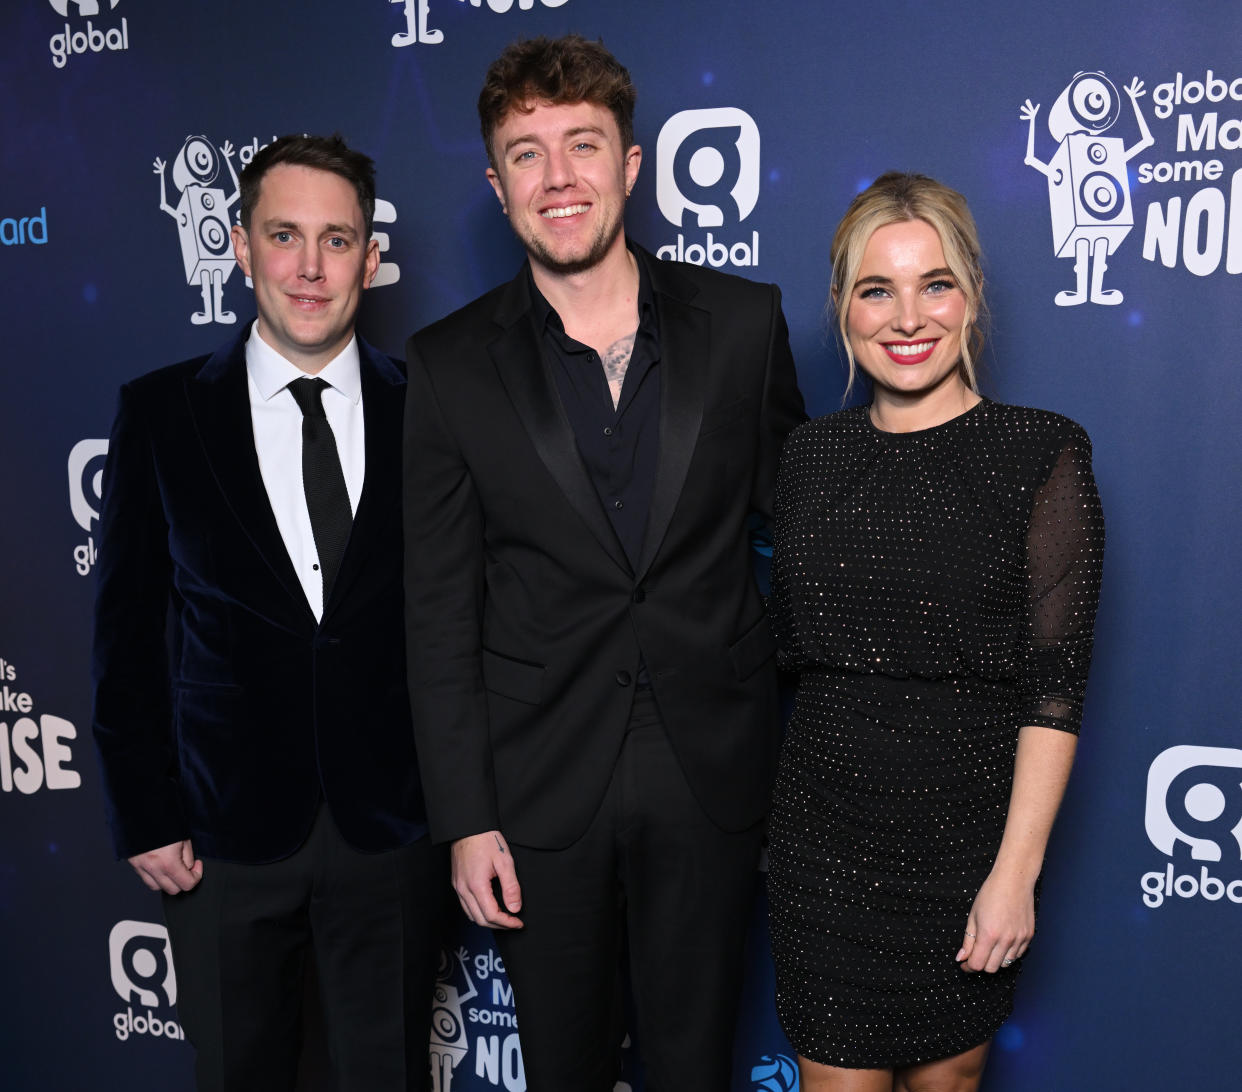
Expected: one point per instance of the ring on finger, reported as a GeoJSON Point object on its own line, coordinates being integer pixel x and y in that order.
{"type": "Point", "coordinates": [1006, 962]}
{"type": "Point", "coordinates": [970, 934]}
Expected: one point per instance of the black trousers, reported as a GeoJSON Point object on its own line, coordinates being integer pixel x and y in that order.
{"type": "Point", "coordinates": [241, 941]}
{"type": "Point", "coordinates": [654, 877]}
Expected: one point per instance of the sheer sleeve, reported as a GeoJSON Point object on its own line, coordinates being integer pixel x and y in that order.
{"type": "Point", "coordinates": [1064, 560]}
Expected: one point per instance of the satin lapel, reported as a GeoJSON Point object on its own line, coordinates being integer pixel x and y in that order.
{"type": "Point", "coordinates": [382, 384]}
{"type": "Point", "coordinates": [685, 349]}
{"type": "Point", "coordinates": [533, 392]}
{"type": "Point", "coordinates": [220, 405]}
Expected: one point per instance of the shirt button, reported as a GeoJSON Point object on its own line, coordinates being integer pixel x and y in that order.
{"type": "Point", "coordinates": [608, 430]}
{"type": "Point", "coordinates": [623, 678]}
{"type": "Point", "coordinates": [618, 505]}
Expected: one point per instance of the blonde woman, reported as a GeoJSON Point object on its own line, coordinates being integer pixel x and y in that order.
{"type": "Point", "coordinates": [935, 580]}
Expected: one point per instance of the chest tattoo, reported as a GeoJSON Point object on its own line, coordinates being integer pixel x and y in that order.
{"type": "Point", "coordinates": [616, 359]}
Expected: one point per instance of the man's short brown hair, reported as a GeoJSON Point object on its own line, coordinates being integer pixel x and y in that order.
{"type": "Point", "coordinates": [323, 153]}
{"type": "Point", "coordinates": [559, 71]}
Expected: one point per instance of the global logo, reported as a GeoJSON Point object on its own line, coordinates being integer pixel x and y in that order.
{"type": "Point", "coordinates": [1194, 814]}
{"type": "Point", "coordinates": [83, 7]}
{"type": "Point", "coordinates": [88, 39]}
{"type": "Point", "coordinates": [86, 464]}
{"type": "Point", "coordinates": [418, 17]}
{"type": "Point", "coordinates": [144, 978]}
{"type": "Point", "coordinates": [141, 963]}
{"type": "Point", "coordinates": [1194, 796]}
{"type": "Point", "coordinates": [707, 176]}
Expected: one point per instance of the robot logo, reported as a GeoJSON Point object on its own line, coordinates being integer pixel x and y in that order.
{"type": "Point", "coordinates": [1090, 104]}
{"type": "Point", "coordinates": [449, 1043]}
{"type": "Point", "coordinates": [473, 1018]}
{"type": "Point", "coordinates": [203, 222]}
{"type": "Point", "coordinates": [1088, 184]}
{"type": "Point", "coordinates": [417, 18]}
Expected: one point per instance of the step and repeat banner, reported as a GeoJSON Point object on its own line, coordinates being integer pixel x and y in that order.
{"type": "Point", "coordinates": [1100, 146]}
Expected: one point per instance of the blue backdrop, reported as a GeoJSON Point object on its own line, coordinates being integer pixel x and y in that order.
{"type": "Point", "coordinates": [125, 121]}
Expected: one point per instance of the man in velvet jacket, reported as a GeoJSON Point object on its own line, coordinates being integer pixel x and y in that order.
{"type": "Point", "coordinates": [591, 668]}
{"type": "Point", "coordinates": [251, 714]}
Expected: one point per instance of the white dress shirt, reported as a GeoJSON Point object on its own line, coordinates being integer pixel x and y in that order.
{"type": "Point", "coordinates": [277, 423]}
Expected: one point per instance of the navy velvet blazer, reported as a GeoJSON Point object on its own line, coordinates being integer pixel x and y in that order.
{"type": "Point", "coordinates": [224, 713]}
{"type": "Point", "coordinates": [527, 621]}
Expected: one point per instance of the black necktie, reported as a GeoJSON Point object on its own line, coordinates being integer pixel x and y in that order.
{"type": "Point", "coordinates": [327, 499]}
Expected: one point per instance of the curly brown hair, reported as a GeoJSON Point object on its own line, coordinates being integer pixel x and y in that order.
{"type": "Point", "coordinates": [558, 71]}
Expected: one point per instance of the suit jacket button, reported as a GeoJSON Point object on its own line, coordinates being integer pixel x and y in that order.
{"type": "Point", "coordinates": [639, 595]}
{"type": "Point", "coordinates": [623, 678]}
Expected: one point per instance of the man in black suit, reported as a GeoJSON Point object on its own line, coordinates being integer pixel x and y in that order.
{"type": "Point", "coordinates": [591, 667]}
{"type": "Point", "coordinates": [250, 707]}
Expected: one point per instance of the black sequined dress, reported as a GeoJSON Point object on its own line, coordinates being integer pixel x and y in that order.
{"type": "Point", "coordinates": [935, 591]}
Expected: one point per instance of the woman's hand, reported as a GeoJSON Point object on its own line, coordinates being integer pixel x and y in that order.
{"type": "Point", "coordinates": [1000, 925]}
{"type": "Point", "coordinates": [1001, 922]}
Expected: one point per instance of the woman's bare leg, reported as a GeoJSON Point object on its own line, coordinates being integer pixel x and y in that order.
{"type": "Point", "coordinates": [960, 1073]}
{"type": "Point", "coordinates": [816, 1077]}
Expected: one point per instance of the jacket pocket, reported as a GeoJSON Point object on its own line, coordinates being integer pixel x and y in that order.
{"type": "Point", "coordinates": [513, 678]}
{"type": "Point", "coordinates": [753, 649]}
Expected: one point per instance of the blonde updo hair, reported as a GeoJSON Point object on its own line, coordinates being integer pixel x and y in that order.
{"type": "Point", "coordinates": [895, 198]}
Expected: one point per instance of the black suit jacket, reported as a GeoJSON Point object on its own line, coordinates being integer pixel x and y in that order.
{"type": "Point", "coordinates": [224, 712]}
{"type": "Point", "coordinates": [526, 622]}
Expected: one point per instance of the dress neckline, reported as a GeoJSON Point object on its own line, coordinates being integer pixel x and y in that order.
{"type": "Point", "coordinates": [874, 428]}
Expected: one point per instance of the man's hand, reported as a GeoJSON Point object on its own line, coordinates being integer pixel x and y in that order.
{"type": "Point", "coordinates": [478, 860]}
{"type": "Point", "coordinates": [171, 869]}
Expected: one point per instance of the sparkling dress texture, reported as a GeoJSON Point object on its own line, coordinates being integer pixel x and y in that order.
{"type": "Point", "coordinates": [935, 591]}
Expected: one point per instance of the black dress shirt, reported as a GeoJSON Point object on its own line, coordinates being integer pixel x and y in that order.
{"type": "Point", "coordinates": [619, 446]}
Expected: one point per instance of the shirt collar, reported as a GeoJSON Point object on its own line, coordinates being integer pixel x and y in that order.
{"type": "Point", "coordinates": [546, 316]}
{"type": "Point", "coordinates": [271, 373]}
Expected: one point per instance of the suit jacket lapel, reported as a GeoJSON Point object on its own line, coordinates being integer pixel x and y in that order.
{"type": "Point", "coordinates": [220, 405]}
{"type": "Point", "coordinates": [685, 348]}
{"type": "Point", "coordinates": [382, 415]}
{"type": "Point", "coordinates": [532, 390]}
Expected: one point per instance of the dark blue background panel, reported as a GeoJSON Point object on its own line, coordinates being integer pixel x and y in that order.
{"type": "Point", "coordinates": [759, 121]}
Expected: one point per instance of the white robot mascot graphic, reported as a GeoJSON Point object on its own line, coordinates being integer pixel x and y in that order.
{"type": "Point", "coordinates": [416, 29]}
{"type": "Point", "coordinates": [1088, 187]}
{"type": "Point", "coordinates": [449, 1044]}
{"type": "Point", "coordinates": [203, 223]}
